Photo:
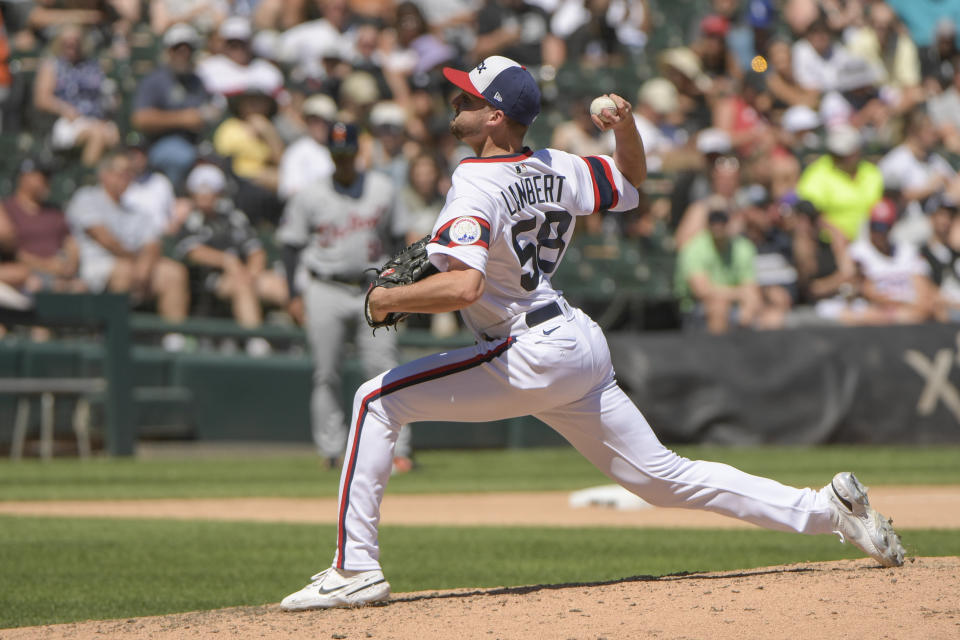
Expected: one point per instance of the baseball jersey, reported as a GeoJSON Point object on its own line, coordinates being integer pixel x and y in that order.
{"type": "Point", "coordinates": [343, 232]}
{"type": "Point", "coordinates": [511, 217]}
{"type": "Point", "coordinates": [892, 275]}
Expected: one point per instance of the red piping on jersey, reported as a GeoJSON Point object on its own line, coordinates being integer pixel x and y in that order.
{"type": "Point", "coordinates": [396, 385]}
{"type": "Point", "coordinates": [513, 157]}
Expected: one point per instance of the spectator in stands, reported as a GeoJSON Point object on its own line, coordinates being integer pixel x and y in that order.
{"type": "Point", "coordinates": [717, 191]}
{"type": "Point", "coordinates": [817, 58]}
{"type": "Point", "coordinates": [519, 30]}
{"type": "Point", "coordinates": [885, 43]}
{"type": "Point", "coordinates": [944, 109]}
{"type": "Point", "coordinates": [308, 159]}
{"type": "Point", "coordinates": [72, 85]}
{"type": "Point", "coordinates": [681, 66]}
{"type": "Point", "coordinates": [857, 100]}
{"type": "Point", "coordinates": [120, 248]}
{"type": "Point", "coordinates": [782, 83]}
{"type": "Point", "coordinates": [841, 185]}
{"type": "Point", "coordinates": [172, 108]}
{"type": "Point", "coordinates": [940, 62]}
{"type": "Point", "coordinates": [236, 71]}
{"type": "Point", "coordinates": [13, 274]}
{"type": "Point", "coordinates": [41, 240]}
{"type": "Point", "coordinates": [219, 244]}
{"type": "Point", "coordinates": [716, 59]}
{"type": "Point", "coordinates": [112, 20]}
{"type": "Point", "coordinates": [892, 277]}
{"type": "Point", "coordinates": [203, 15]}
{"type": "Point", "coordinates": [913, 168]}
{"type": "Point", "coordinates": [251, 144]}
{"type": "Point", "coordinates": [715, 278]}
{"type": "Point", "coordinates": [914, 172]}
{"type": "Point", "coordinates": [387, 154]}
{"type": "Point", "coordinates": [825, 271]}
{"type": "Point", "coordinates": [302, 46]}
{"type": "Point", "coordinates": [774, 269]}
{"type": "Point", "coordinates": [423, 196]}
{"type": "Point", "coordinates": [943, 259]}
{"type": "Point", "coordinates": [411, 49]}
{"type": "Point", "coordinates": [598, 34]}
{"type": "Point", "coordinates": [151, 192]}
{"type": "Point", "coordinates": [368, 56]}
{"type": "Point", "coordinates": [741, 112]}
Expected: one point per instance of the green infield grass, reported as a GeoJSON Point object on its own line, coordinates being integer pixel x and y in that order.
{"type": "Point", "coordinates": [559, 468]}
{"type": "Point", "coordinates": [64, 569]}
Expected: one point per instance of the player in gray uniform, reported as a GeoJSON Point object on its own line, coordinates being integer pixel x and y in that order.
{"type": "Point", "coordinates": [332, 232]}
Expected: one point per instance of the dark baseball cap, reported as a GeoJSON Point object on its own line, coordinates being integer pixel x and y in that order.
{"type": "Point", "coordinates": [342, 138]}
{"type": "Point", "coordinates": [718, 216]}
{"type": "Point", "coordinates": [504, 83]}
{"type": "Point", "coordinates": [31, 165]}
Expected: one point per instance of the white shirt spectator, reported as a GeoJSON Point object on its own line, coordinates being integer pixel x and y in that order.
{"type": "Point", "coordinates": [304, 46]}
{"type": "Point", "coordinates": [891, 275]}
{"type": "Point", "coordinates": [304, 162]}
{"type": "Point", "coordinates": [811, 71]}
{"type": "Point", "coordinates": [153, 196]}
{"type": "Point", "coordinates": [223, 76]}
{"type": "Point", "coordinates": [903, 170]}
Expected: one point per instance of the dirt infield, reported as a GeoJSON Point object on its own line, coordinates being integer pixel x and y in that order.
{"type": "Point", "coordinates": [847, 599]}
{"type": "Point", "coordinates": [914, 507]}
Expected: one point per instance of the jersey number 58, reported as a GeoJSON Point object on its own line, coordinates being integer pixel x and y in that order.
{"type": "Point", "coordinates": [549, 236]}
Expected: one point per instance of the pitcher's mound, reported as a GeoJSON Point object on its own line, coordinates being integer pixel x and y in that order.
{"type": "Point", "coordinates": [846, 599]}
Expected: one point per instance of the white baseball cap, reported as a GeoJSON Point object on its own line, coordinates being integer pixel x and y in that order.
{"type": "Point", "coordinates": [180, 33]}
{"type": "Point", "coordinates": [206, 178]}
{"type": "Point", "coordinates": [714, 140]}
{"type": "Point", "coordinates": [321, 106]}
{"type": "Point", "coordinates": [843, 140]}
{"type": "Point", "coordinates": [800, 117]}
{"type": "Point", "coordinates": [659, 94]}
{"type": "Point", "coordinates": [388, 114]}
{"type": "Point", "coordinates": [235, 28]}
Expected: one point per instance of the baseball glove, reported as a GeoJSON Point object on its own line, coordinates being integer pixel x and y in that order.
{"type": "Point", "coordinates": [407, 267]}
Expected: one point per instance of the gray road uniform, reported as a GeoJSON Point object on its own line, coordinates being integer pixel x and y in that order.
{"type": "Point", "coordinates": [340, 232]}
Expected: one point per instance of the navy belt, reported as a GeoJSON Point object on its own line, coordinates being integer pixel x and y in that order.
{"type": "Point", "coordinates": [544, 313]}
{"type": "Point", "coordinates": [537, 316]}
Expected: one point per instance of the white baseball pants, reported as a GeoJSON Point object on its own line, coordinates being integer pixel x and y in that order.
{"type": "Point", "coordinates": [560, 372]}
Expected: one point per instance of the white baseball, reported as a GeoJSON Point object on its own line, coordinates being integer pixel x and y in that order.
{"type": "Point", "coordinates": [601, 103]}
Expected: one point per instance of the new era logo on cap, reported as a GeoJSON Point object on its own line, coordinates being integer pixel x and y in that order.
{"type": "Point", "coordinates": [502, 82]}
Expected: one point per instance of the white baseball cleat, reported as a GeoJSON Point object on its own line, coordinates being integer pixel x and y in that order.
{"type": "Point", "coordinates": [856, 521]}
{"type": "Point", "coordinates": [336, 588]}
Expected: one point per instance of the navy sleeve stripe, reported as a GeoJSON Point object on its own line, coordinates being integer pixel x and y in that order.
{"type": "Point", "coordinates": [603, 188]}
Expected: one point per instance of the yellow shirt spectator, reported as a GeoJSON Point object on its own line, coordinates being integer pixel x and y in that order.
{"type": "Point", "coordinates": [843, 199]}
{"type": "Point", "coordinates": [237, 140]}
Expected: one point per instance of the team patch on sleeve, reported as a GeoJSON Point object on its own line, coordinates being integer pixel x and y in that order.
{"type": "Point", "coordinates": [464, 231]}
{"type": "Point", "coordinates": [605, 194]}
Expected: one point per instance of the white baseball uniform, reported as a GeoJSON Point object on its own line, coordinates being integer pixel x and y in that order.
{"type": "Point", "coordinates": [511, 217]}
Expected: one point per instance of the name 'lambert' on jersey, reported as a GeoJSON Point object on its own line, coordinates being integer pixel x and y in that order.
{"type": "Point", "coordinates": [532, 190]}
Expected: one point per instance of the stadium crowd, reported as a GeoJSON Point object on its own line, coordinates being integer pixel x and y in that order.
{"type": "Point", "coordinates": [802, 152]}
